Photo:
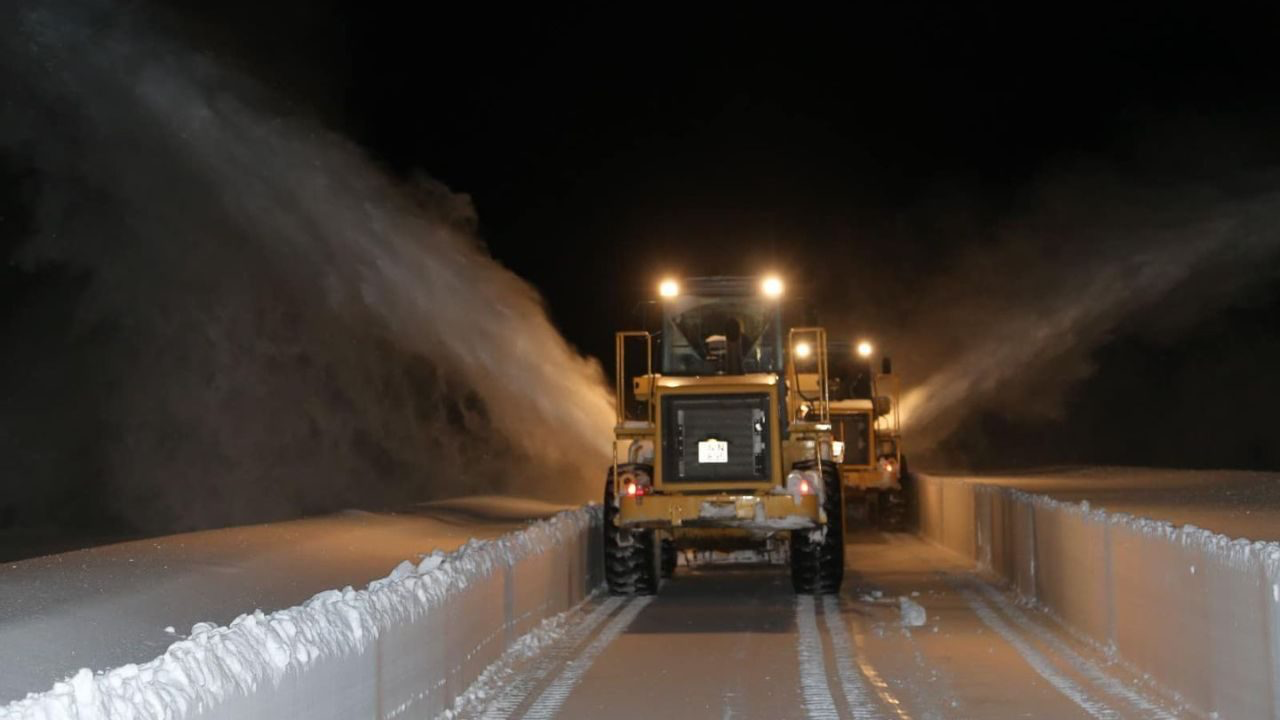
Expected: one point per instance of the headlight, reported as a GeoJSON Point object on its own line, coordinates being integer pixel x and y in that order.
{"type": "Point", "coordinates": [803, 350]}
{"type": "Point", "coordinates": [865, 349]}
{"type": "Point", "coordinates": [668, 288]}
{"type": "Point", "coordinates": [772, 286]}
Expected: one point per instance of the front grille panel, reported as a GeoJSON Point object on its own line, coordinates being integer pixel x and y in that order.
{"type": "Point", "coordinates": [853, 431]}
{"type": "Point", "coordinates": [741, 421]}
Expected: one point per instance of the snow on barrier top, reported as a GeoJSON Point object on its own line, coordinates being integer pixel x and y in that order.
{"type": "Point", "coordinates": [216, 663]}
{"type": "Point", "coordinates": [1238, 553]}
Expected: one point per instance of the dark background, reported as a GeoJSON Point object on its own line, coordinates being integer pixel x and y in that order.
{"type": "Point", "coordinates": [861, 154]}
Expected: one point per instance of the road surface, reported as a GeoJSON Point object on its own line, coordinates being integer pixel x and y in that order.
{"type": "Point", "coordinates": [735, 642]}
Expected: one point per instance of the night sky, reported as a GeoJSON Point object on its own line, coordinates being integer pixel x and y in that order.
{"type": "Point", "coordinates": [893, 161]}
{"type": "Point", "coordinates": [879, 144]}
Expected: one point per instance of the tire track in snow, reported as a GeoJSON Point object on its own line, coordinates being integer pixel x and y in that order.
{"type": "Point", "coordinates": [551, 699]}
{"type": "Point", "coordinates": [519, 688]}
{"type": "Point", "coordinates": [1083, 665]}
{"type": "Point", "coordinates": [873, 676]}
{"type": "Point", "coordinates": [813, 668]}
{"type": "Point", "coordinates": [1036, 659]}
{"type": "Point", "coordinates": [855, 690]}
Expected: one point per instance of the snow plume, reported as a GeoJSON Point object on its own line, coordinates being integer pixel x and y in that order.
{"type": "Point", "coordinates": [270, 325]}
{"type": "Point", "coordinates": [1015, 321]}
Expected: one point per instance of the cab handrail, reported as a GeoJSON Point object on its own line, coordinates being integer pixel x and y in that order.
{"type": "Point", "coordinates": [620, 372]}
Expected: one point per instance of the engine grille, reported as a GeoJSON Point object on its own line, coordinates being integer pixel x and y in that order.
{"type": "Point", "coordinates": [741, 421]}
{"type": "Point", "coordinates": [853, 431]}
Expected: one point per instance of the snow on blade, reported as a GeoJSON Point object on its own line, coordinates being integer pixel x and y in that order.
{"type": "Point", "coordinates": [258, 650]}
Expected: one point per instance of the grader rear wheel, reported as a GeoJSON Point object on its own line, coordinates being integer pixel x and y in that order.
{"type": "Point", "coordinates": [817, 556]}
{"type": "Point", "coordinates": [630, 556]}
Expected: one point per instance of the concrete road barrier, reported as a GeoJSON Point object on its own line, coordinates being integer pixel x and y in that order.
{"type": "Point", "coordinates": [1197, 612]}
{"type": "Point", "coordinates": [407, 645]}
{"type": "Point", "coordinates": [417, 668]}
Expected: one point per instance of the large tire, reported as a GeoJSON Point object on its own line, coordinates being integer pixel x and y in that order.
{"type": "Point", "coordinates": [894, 518]}
{"type": "Point", "coordinates": [630, 556]}
{"type": "Point", "coordinates": [817, 556]}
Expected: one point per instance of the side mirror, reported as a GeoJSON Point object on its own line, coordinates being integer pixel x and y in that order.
{"type": "Point", "coordinates": [886, 365]}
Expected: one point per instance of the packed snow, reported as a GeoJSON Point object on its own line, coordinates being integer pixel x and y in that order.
{"type": "Point", "coordinates": [1238, 553]}
{"type": "Point", "coordinates": [1235, 503]}
{"type": "Point", "coordinates": [217, 661]}
{"type": "Point", "coordinates": [913, 613]}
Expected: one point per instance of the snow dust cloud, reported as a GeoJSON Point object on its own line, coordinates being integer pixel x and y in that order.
{"type": "Point", "coordinates": [1011, 323]}
{"type": "Point", "coordinates": [263, 323]}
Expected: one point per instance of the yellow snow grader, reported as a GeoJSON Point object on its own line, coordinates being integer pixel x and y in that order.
{"type": "Point", "coordinates": [723, 438]}
{"type": "Point", "coordinates": [868, 435]}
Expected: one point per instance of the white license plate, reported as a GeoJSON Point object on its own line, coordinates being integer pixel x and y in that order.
{"type": "Point", "coordinates": [713, 451]}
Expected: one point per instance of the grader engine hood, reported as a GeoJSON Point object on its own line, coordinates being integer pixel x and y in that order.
{"type": "Point", "coordinates": [717, 433]}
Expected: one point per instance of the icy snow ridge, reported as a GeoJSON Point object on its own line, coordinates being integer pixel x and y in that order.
{"type": "Point", "coordinates": [259, 649]}
{"type": "Point", "coordinates": [1237, 553]}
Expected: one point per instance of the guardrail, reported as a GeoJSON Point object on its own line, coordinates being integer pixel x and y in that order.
{"type": "Point", "coordinates": [407, 645]}
{"type": "Point", "coordinates": [1195, 611]}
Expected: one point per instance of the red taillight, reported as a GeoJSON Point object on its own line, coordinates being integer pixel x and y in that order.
{"type": "Point", "coordinates": [634, 484]}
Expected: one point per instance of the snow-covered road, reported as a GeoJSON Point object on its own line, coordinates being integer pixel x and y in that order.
{"type": "Point", "coordinates": [108, 606]}
{"type": "Point", "coordinates": [918, 632]}
{"type": "Point", "coordinates": [735, 642]}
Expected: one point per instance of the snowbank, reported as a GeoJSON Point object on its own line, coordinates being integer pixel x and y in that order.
{"type": "Point", "coordinates": [1195, 611]}
{"type": "Point", "coordinates": [408, 643]}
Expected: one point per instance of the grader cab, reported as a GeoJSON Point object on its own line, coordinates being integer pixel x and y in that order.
{"type": "Point", "coordinates": [723, 438]}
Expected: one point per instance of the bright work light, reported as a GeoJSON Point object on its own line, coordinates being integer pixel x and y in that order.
{"type": "Point", "coordinates": [772, 286]}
